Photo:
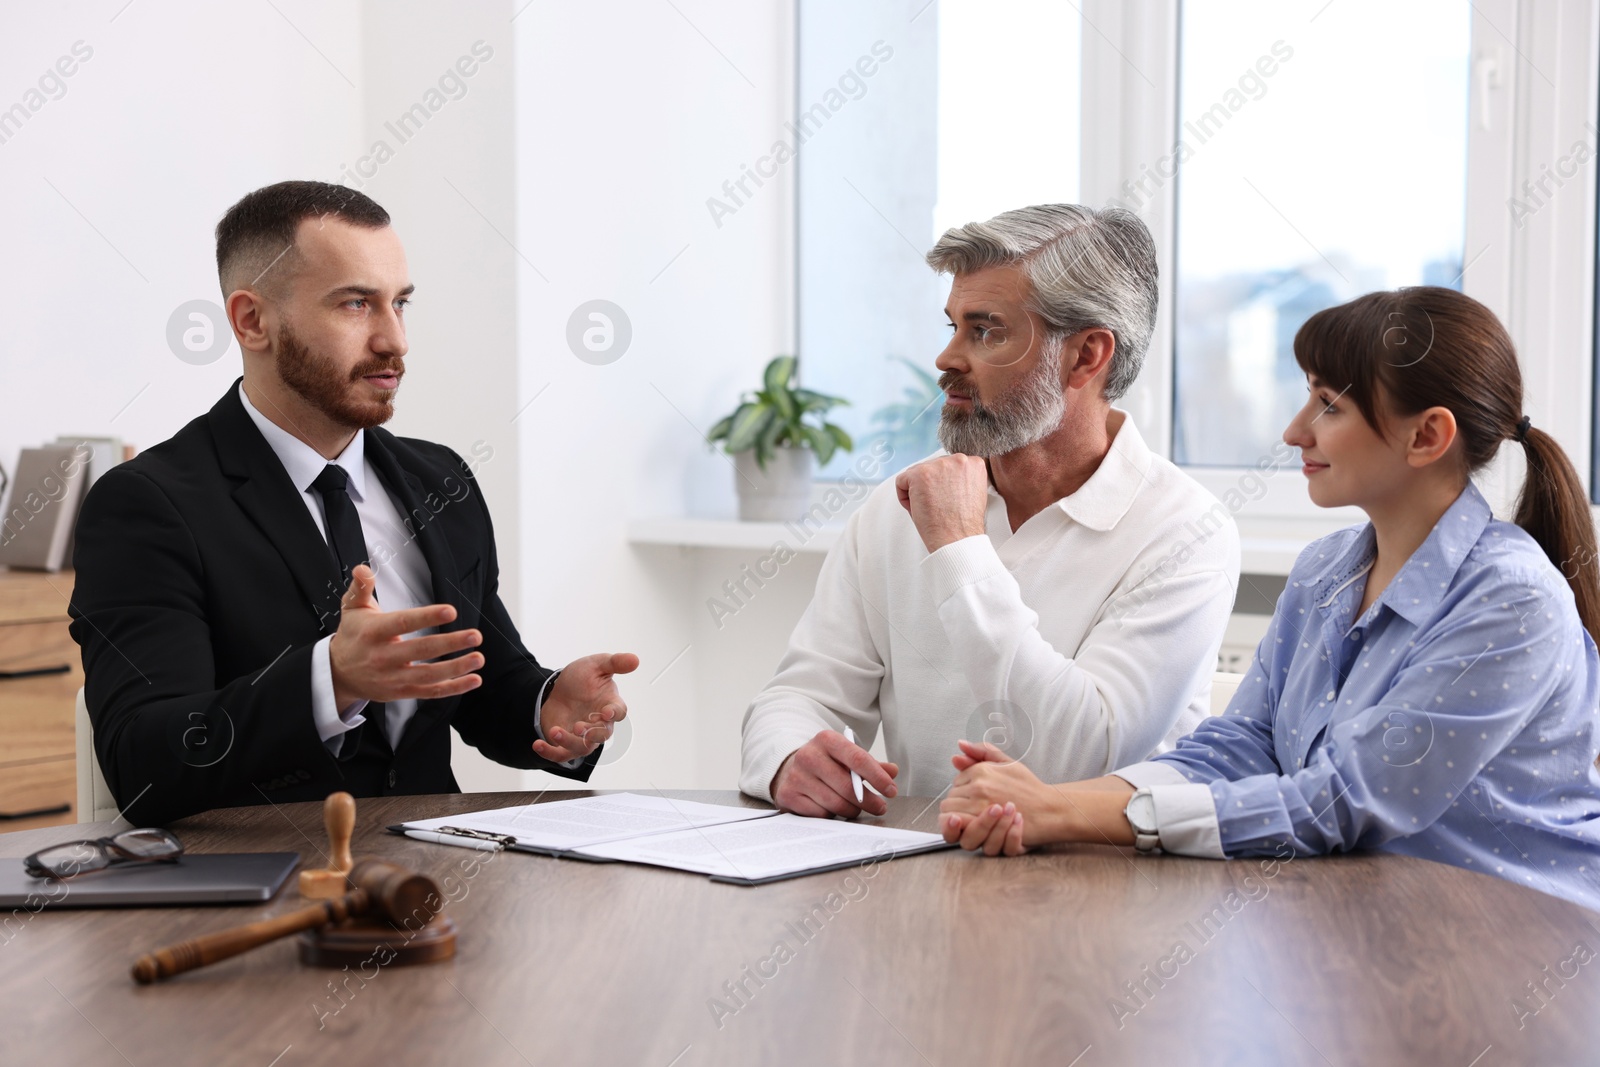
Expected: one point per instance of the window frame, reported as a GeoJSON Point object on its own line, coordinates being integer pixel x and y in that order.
{"type": "Point", "coordinates": [1534, 84]}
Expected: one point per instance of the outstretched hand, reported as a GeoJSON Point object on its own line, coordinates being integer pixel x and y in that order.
{"type": "Point", "coordinates": [370, 658]}
{"type": "Point", "coordinates": [583, 706]}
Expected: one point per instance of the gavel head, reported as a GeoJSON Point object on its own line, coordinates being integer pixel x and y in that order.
{"type": "Point", "coordinates": [402, 896]}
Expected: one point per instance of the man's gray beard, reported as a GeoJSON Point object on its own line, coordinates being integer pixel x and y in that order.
{"type": "Point", "coordinates": [1027, 412]}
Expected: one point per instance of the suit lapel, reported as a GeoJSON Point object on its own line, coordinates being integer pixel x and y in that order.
{"type": "Point", "coordinates": [264, 492]}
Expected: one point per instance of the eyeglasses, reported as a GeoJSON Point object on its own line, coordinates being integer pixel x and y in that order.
{"type": "Point", "coordinates": [79, 857]}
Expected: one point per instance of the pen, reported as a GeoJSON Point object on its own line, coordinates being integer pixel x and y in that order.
{"type": "Point", "coordinates": [855, 779]}
{"type": "Point", "coordinates": [453, 839]}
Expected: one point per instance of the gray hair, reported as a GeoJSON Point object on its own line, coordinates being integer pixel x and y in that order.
{"type": "Point", "coordinates": [1087, 268]}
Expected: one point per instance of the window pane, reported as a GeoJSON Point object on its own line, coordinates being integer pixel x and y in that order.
{"type": "Point", "coordinates": [1008, 107]}
{"type": "Point", "coordinates": [1321, 154]}
{"type": "Point", "coordinates": [974, 112]}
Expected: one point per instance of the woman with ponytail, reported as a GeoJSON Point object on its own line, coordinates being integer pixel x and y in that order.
{"type": "Point", "coordinates": [1429, 684]}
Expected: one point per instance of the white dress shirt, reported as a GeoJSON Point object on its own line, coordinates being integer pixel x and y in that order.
{"type": "Point", "coordinates": [1092, 628]}
{"type": "Point", "coordinates": [404, 581]}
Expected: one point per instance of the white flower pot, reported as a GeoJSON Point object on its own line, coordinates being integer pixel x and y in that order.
{"type": "Point", "coordinates": [781, 493]}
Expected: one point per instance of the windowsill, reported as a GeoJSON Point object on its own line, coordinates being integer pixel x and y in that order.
{"type": "Point", "coordinates": [1263, 553]}
{"type": "Point", "coordinates": [732, 534]}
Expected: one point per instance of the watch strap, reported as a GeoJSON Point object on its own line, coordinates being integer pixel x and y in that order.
{"type": "Point", "coordinates": [1140, 813]}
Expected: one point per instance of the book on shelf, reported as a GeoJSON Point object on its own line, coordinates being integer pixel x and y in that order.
{"type": "Point", "coordinates": [105, 453]}
{"type": "Point", "coordinates": [41, 509]}
{"type": "Point", "coordinates": [43, 505]}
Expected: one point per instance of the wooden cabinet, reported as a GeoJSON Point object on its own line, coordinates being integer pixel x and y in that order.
{"type": "Point", "coordinates": [37, 754]}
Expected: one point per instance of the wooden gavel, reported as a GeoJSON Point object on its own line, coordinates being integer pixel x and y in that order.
{"type": "Point", "coordinates": [382, 889]}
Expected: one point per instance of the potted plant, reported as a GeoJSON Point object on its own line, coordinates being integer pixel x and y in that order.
{"type": "Point", "coordinates": [772, 444]}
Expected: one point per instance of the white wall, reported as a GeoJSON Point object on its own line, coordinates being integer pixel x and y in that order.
{"type": "Point", "coordinates": [621, 138]}
{"type": "Point", "coordinates": [108, 195]}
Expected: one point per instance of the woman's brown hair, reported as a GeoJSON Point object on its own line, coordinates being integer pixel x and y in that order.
{"type": "Point", "coordinates": [1423, 347]}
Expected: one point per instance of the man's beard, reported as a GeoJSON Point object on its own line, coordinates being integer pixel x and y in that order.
{"type": "Point", "coordinates": [1022, 415]}
{"type": "Point", "coordinates": [319, 383]}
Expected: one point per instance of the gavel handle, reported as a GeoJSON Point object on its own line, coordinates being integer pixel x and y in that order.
{"type": "Point", "coordinates": [199, 951]}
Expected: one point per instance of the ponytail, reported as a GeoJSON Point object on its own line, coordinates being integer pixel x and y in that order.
{"type": "Point", "coordinates": [1554, 509]}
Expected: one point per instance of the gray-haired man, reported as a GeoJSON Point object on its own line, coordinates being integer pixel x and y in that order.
{"type": "Point", "coordinates": [1046, 583]}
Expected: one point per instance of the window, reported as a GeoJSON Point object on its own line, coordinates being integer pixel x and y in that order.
{"type": "Point", "coordinates": [1009, 91]}
{"type": "Point", "coordinates": [1287, 155]}
{"type": "Point", "coordinates": [971, 108]}
{"type": "Point", "coordinates": [1316, 161]}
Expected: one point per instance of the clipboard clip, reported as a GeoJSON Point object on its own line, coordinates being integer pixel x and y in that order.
{"type": "Point", "coordinates": [505, 841]}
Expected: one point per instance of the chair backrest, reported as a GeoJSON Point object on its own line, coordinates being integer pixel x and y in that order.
{"type": "Point", "coordinates": [95, 802]}
{"type": "Point", "coordinates": [1223, 685]}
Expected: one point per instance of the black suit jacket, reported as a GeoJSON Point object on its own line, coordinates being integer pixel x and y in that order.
{"type": "Point", "coordinates": [202, 586]}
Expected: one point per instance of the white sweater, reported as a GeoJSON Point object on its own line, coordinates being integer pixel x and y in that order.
{"type": "Point", "coordinates": [1082, 642]}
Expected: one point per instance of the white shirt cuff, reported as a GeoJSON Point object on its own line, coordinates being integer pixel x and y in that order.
{"type": "Point", "coordinates": [538, 729]}
{"type": "Point", "coordinates": [1151, 772]}
{"type": "Point", "coordinates": [332, 723]}
{"type": "Point", "coordinates": [1186, 813]}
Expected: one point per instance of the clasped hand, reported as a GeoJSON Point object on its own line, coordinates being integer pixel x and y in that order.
{"type": "Point", "coordinates": [992, 802]}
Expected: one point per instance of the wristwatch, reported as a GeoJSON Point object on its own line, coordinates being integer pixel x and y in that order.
{"type": "Point", "coordinates": [1141, 813]}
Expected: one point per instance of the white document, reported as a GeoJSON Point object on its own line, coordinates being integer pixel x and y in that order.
{"type": "Point", "coordinates": [566, 825]}
{"type": "Point", "coordinates": [778, 847]}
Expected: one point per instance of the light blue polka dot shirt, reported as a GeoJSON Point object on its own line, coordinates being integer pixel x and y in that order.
{"type": "Point", "coordinates": [1455, 720]}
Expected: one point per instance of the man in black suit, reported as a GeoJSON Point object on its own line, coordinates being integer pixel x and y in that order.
{"type": "Point", "coordinates": [284, 600]}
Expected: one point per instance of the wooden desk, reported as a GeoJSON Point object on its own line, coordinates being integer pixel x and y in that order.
{"type": "Point", "coordinates": [938, 959]}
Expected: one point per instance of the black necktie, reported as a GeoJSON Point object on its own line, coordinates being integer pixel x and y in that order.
{"type": "Point", "coordinates": [349, 548]}
{"type": "Point", "coordinates": [344, 526]}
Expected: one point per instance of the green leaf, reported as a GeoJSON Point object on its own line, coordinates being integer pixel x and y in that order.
{"type": "Point", "coordinates": [840, 438]}
{"type": "Point", "coordinates": [820, 443]}
{"type": "Point", "coordinates": [720, 430]}
{"type": "Point", "coordinates": [783, 401]}
{"type": "Point", "coordinates": [773, 432]}
{"type": "Point", "coordinates": [744, 406]}
{"type": "Point", "coordinates": [748, 423]}
{"type": "Point", "coordinates": [811, 401]}
{"type": "Point", "coordinates": [779, 371]}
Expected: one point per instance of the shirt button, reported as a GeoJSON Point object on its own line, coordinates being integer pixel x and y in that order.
{"type": "Point", "coordinates": [393, 777]}
{"type": "Point", "coordinates": [1331, 695]}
